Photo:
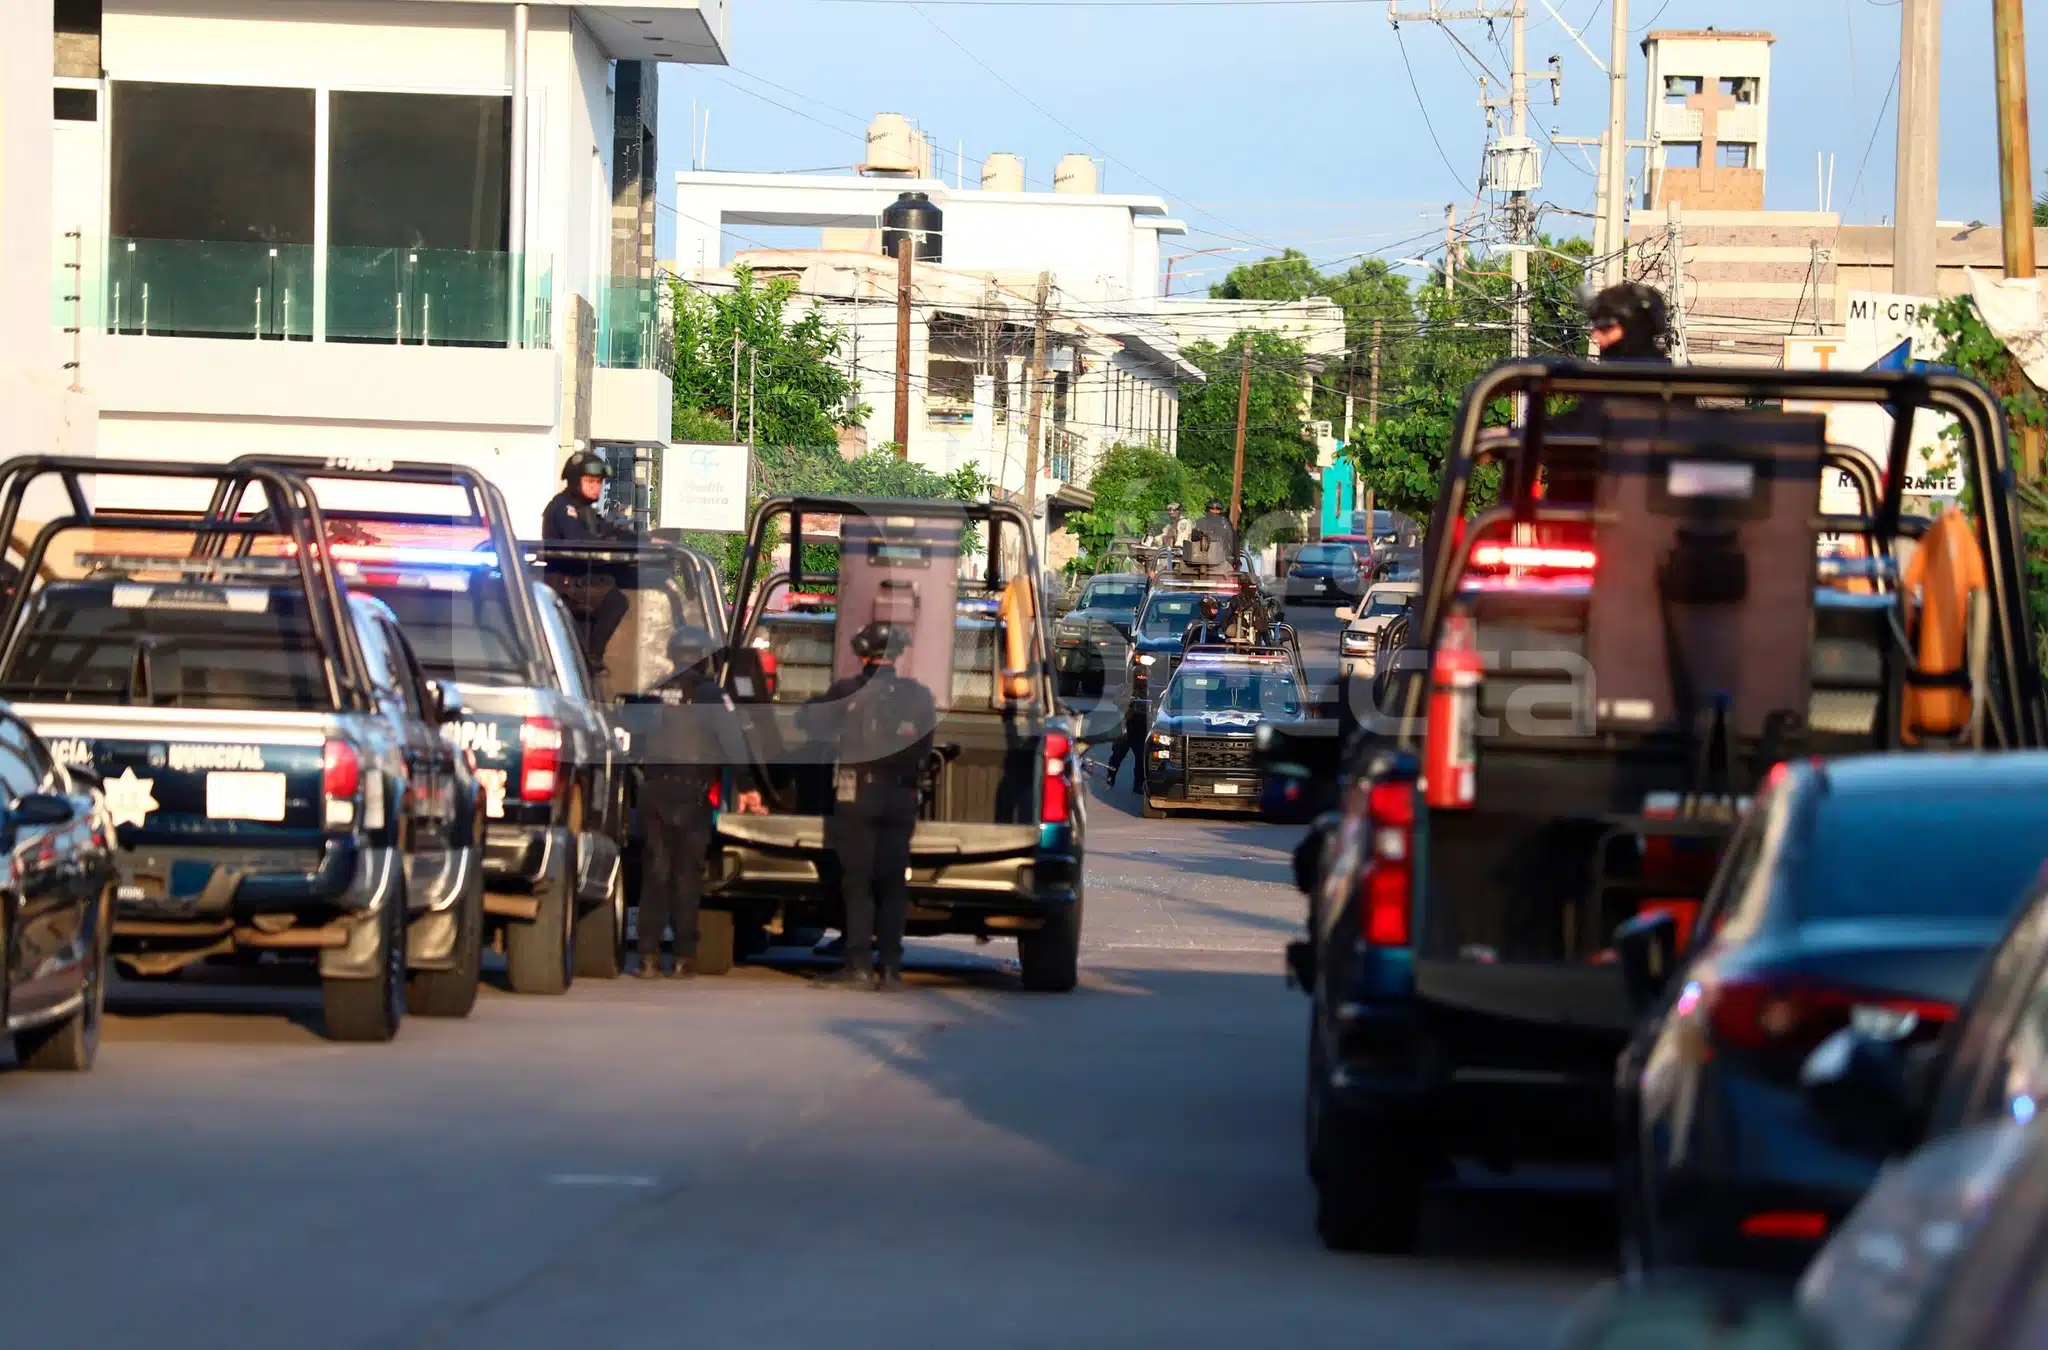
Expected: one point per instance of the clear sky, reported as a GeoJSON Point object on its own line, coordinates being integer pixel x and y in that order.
{"type": "Point", "coordinates": [1296, 124]}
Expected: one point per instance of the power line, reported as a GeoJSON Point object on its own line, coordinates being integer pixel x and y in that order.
{"type": "Point", "coordinates": [1402, 44]}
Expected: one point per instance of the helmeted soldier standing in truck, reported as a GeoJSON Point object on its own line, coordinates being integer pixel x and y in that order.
{"type": "Point", "coordinates": [572, 516]}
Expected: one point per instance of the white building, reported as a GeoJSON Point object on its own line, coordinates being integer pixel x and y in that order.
{"type": "Point", "coordinates": [1709, 116]}
{"type": "Point", "coordinates": [386, 228]}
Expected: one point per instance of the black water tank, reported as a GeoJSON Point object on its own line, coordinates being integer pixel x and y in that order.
{"type": "Point", "coordinates": [912, 216]}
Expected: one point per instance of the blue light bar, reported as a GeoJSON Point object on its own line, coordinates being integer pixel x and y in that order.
{"type": "Point", "coordinates": [401, 553]}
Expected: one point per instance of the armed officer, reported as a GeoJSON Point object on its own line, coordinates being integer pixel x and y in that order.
{"type": "Point", "coordinates": [1630, 322]}
{"type": "Point", "coordinates": [572, 516]}
{"type": "Point", "coordinates": [1215, 527]}
{"type": "Point", "coordinates": [883, 724]}
{"type": "Point", "coordinates": [687, 753]}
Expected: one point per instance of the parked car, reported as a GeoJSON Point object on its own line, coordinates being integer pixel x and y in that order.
{"type": "Point", "coordinates": [1834, 906]}
{"type": "Point", "coordinates": [56, 900]}
{"type": "Point", "coordinates": [1358, 644]}
{"type": "Point", "coordinates": [1324, 574]}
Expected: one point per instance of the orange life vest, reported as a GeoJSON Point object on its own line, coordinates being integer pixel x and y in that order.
{"type": "Point", "coordinates": [1945, 570]}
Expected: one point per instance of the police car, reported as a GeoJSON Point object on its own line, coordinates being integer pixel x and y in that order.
{"type": "Point", "coordinates": [1199, 751]}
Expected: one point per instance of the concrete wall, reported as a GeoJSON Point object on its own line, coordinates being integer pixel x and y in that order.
{"type": "Point", "coordinates": [1709, 58]}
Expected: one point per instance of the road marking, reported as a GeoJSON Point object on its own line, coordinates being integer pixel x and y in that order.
{"type": "Point", "coordinates": [599, 1179]}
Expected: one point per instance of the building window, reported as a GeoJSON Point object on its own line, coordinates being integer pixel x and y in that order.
{"type": "Point", "coordinates": [1681, 154]}
{"type": "Point", "coordinates": [1679, 88]}
{"type": "Point", "coordinates": [418, 212]}
{"type": "Point", "coordinates": [211, 210]}
{"type": "Point", "coordinates": [77, 105]}
{"type": "Point", "coordinates": [1741, 88]}
{"type": "Point", "coordinates": [949, 390]}
{"type": "Point", "coordinates": [1736, 154]}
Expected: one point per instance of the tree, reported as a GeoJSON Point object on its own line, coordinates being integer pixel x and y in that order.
{"type": "Point", "coordinates": [1290, 276]}
{"type": "Point", "coordinates": [1132, 485]}
{"type": "Point", "coordinates": [802, 395]}
{"type": "Point", "coordinates": [1275, 456]}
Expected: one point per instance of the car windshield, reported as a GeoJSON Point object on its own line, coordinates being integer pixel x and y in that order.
{"type": "Point", "coordinates": [1336, 555]}
{"type": "Point", "coordinates": [1125, 596]}
{"type": "Point", "coordinates": [1169, 615]}
{"type": "Point", "coordinates": [1969, 855]}
{"type": "Point", "coordinates": [170, 646]}
{"type": "Point", "coordinates": [459, 620]}
{"type": "Point", "coordinates": [1270, 693]}
{"type": "Point", "coordinates": [1384, 605]}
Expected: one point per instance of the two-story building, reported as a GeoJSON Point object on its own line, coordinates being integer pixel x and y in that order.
{"type": "Point", "coordinates": [382, 228]}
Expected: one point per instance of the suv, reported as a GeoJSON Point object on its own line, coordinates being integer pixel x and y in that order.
{"type": "Point", "coordinates": [270, 750]}
{"type": "Point", "coordinates": [1516, 836]}
{"type": "Point", "coordinates": [1199, 751]}
{"type": "Point", "coordinates": [1358, 645]}
{"type": "Point", "coordinates": [999, 843]}
{"type": "Point", "coordinates": [1094, 638]}
{"type": "Point", "coordinates": [542, 736]}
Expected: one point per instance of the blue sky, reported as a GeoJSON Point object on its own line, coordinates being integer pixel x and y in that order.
{"type": "Point", "coordinates": [1295, 124]}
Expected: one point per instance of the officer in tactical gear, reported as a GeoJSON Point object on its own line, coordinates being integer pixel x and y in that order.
{"type": "Point", "coordinates": [1216, 527]}
{"type": "Point", "coordinates": [685, 758]}
{"type": "Point", "coordinates": [593, 596]}
{"type": "Point", "coordinates": [882, 723]}
{"type": "Point", "coordinates": [1630, 323]}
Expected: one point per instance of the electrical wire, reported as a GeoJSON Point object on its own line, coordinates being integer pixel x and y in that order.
{"type": "Point", "coordinates": [1402, 43]}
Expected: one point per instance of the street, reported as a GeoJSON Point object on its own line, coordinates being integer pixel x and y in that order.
{"type": "Point", "coordinates": [752, 1162]}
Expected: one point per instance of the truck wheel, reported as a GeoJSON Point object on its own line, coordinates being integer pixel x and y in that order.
{"type": "Point", "coordinates": [70, 1046]}
{"type": "Point", "coordinates": [452, 992]}
{"type": "Point", "coordinates": [1368, 1185]}
{"type": "Point", "coordinates": [1049, 960]}
{"type": "Point", "coordinates": [540, 953]}
{"type": "Point", "coordinates": [601, 934]}
{"type": "Point", "coordinates": [371, 1010]}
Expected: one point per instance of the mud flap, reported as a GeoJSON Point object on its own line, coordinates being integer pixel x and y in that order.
{"type": "Point", "coordinates": [430, 940]}
{"type": "Point", "coordinates": [597, 863]}
{"type": "Point", "coordinates": [359, 959]}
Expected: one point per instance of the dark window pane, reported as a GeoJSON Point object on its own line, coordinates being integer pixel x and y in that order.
{"type": "Point", "coordinates": [77, 105]}
{"type": "Point", "coordinates": [212, 162]}
{"type": "Point", "coordinates": [1878, 856]}
{"type": "Point", "coordinates": [418, 171]}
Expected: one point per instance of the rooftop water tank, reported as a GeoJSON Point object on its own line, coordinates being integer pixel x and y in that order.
{"type": "Point", "coordinates": [1075, 174]}
{"type": "Point", "coordinates": [1002, 172]}
{"type": "Point", "coordinates": [912, 216]}
{"type": "Point", "coordinates": [892, 146]}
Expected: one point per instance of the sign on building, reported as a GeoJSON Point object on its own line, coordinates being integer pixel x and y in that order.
{"type": "Point", "coordinates": [1876, 324]}
{"type": "Point", "coordinates": [704, 487]}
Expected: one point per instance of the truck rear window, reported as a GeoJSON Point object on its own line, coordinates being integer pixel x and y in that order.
{"type": "Point", "coordinates": [170, 646]}
{"type": "Point", "coordinates": [458, 619]}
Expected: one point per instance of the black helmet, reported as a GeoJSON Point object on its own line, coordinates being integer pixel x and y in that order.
{"type": "Point", "coordinates": [1214, 505]}
{"type": "Point", "coordinates": [1641, 313]}
{"type": "Point", "coordinates": [585, 465]}
{"type": "Point", "coordinates": [1212, 605]}
{"type": "Point", "coordinates": [880, 641]}
{"type": "Point", "coordinates": [689, 646]}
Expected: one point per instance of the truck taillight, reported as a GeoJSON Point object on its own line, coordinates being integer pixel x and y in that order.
{"type": "Point", "coordinates": [540, 758]}
{"type": "Point", "coordinates": [1386, 887]}
{"type": "Point", "coordinates": [341, 775]}
{"type": "Point", "coordinates": [1058, 803]}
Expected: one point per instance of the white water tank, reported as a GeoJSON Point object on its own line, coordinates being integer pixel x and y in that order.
{"type": "Point", "coordinates": [893, 146]}
{"type": "Point", "coordinates": [1002, 172]}
{"type": "Point", "coordinates": [1074, 174]}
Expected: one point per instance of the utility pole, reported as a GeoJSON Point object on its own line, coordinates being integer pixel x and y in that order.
{"type": "Point", "coordinates": [1614, 153]}
{"type": "Point", "coordinates": [753, 364]}
{"type": "Point", "coordinates": [1518, 225]}
{"type": "Point", "coordinates": [2015, 172]}
{"type": "Point", "coordinates": [1450, 247]}
{"type": "Point", "coordinates": [1037, 416]}
{"type": "Point", "coordinates": [903, 347]}
{"type": "Point", "coordinates": [1244, 394]}
{"type": "Point", "coordinates": [1372, 420]}
{"type": "Point", "coordinates": [1675, 231]}
{"type": "Point", "coordinates": [735, 384]}
{"type": "Point", "coordinates": [1913, 268]}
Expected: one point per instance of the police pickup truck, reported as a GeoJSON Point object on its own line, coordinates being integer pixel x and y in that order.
{"type": "Point", "coordinates": [441, 555]}
{"type": "Point", "coordinates": [1199, 753]}
{"type": "Point", "coordinates": [1610, 660]}
{"type": "Point", "coordinates": [270, 750]}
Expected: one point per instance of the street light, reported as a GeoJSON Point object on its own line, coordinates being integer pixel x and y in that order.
{"type": "Point", "coordinates": [1166, 288]}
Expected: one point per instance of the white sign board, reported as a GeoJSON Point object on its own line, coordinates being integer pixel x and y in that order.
{"type": "Point", "coordinates": [1875, 324]}
{"type": "Point", "coordinates": [704, 487]}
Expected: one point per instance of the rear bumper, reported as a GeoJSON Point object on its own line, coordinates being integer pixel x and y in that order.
{"type": "Point", "coordinates": [521, 857]}
{"type": "Point", "coordinates": [980, 896]}
{"type": "Point", "coordinates": [1318, 588]}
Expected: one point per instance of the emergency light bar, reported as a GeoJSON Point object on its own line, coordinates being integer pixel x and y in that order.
{"type": "Point", "coordinates": [1535, 557]}
{"type": "Point", "coordinates": [432, 580]}
{"type": "Point", "coordinates": [405, 553]}
{"type": "Point", "coordinates": [187, 565]}
{"type": "Point", "coordinates": [239, 600]}
{"type": "Point", "coordinates": [1215, 655]}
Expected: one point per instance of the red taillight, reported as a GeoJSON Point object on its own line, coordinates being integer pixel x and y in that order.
{"type": "Point", "coordinates": [1385, 897]}
{"type": "Point", "coordinates": [1534, 557]}
{"type": "Point", "coordinates": [1790, 1017]}
{"type": "Point", "coordinates": [1803, 1225]}
{"type": "Point", "coordinates": [341, 774]}
{"type": "Point", "coordinates": [769, 667]}
{"type": "Point", "coordinates": [1058, 802]}
{"type": "Point", "coordinates": [711, 796]}
{"type": "Point", "coordinates": [540, 758]}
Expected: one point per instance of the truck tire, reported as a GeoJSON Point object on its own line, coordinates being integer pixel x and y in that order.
{"type": "Point", "coordinates": [1049, 960]}
{"type": "Point", "coordinates": [371, 1010]}
{"type": "Point", "coordinates": [70, 1046]}
{"type": "Point", "coordinates": [714, 942]}
{"type": "Point", "coordinates": [540, 953]}
{"type": "Point", "coordinates": [452, 992]}
{"type": "Point", "coordinates": [601, 934]}
{"type": "Point", "coordinates": [1368, 1184]}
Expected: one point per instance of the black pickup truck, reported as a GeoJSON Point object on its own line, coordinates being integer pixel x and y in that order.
{"type": "Point", "coordinates": [440, 553]}
{"type": "Point", "coordinates": [271, 752]}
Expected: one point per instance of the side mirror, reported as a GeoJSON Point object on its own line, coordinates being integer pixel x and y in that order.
{"type": "Point", "coordinates": [447, 701]}
{"type": "Point", "coordinates": [1860, 1086]}
{"type": "Point", "coordinates": [1722, 1315]}
{"type": "Point", "coordinates": [1646, 948]}
{"type": "Point", "coordinates": [1345, 614]}
{"type": "Point", "coordinates": [1100, 723]}
{"type": "Point", "coordinates": [39, 809]}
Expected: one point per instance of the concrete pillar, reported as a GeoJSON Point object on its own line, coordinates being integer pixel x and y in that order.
{"type": "Point", "coordinates": [1913, 263]}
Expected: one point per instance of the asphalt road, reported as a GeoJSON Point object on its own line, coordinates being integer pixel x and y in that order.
{"type": "Point", "coordinates": [752, 1162]}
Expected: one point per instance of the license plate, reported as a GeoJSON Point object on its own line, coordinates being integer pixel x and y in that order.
{"type": "Point", "coordinates": [1225, 789]}
{"type": "Point", "coordinates": [245, 796]}
{"type": "Point", "coordinates": [1322, 585]}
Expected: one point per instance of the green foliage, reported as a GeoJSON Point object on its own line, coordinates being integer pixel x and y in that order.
{"type": "Point", "coordinates": [1275, 456]}
{"type": "Point", "coordinates": [801, 394]}
{"type": "Point", "coordinates": [2041, 210]}
{"type": "Point", "coordinates": [1132, 485]}
{"type": "Point", "coordinates": [693, 426]}
{"type": "Point", "coordinates": [1290, 276]}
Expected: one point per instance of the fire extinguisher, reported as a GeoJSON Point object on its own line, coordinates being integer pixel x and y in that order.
{"type": "Point", "coordinates": [1450, 768]}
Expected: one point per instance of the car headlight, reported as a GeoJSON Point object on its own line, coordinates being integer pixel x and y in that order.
{"type": "Point", "coordinates": [1357, 644]}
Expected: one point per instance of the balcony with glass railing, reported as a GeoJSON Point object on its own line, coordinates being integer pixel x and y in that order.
{"type": "Point", "coordinates": [636, 325]}
{"type": "Point", "coordinates": [298, 293]}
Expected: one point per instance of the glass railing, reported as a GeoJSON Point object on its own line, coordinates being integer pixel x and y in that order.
{"type": "Point", "coordinates": [282, 292]}
{"type": "Point", "coordinates": [635, 327]}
